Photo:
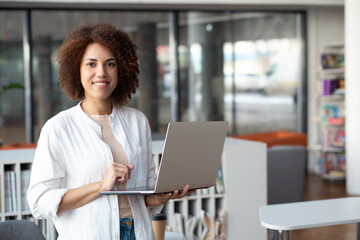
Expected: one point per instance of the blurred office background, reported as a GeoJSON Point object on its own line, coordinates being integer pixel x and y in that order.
{"type": "Point", "coordinates": [244, 67]}
{"type": "Point", "coordinates": [254, 64]}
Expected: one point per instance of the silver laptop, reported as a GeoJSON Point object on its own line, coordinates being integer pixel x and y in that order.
{"type": "Point", "coordinates": [191, 155]}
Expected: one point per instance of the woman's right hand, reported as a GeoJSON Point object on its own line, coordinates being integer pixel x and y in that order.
{"type": "Point", "coordinates": [116, 173]}
{"type": "Point", "coordinates": [80, 196]}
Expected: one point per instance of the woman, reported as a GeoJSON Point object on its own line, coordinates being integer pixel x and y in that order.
{"type": "Point", "coordinates": [97, 145]}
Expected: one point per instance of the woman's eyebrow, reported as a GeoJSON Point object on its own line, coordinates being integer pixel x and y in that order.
{"type": "Point", "coordinates": [93, 59]}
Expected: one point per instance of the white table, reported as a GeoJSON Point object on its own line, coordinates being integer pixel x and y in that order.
{"type": "Point", "coordinates": [280, 219]}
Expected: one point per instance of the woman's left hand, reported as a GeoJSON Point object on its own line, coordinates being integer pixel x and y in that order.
{"type": "Point", "coordinates": [158, 199]}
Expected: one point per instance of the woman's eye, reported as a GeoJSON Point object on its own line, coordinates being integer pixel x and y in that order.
{"type": "Point", "coordinates": [91, 64]}
{"type": "Point", "coordinates": [111, 64]}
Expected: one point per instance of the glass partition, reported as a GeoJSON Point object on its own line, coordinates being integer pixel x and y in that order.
{"type": "Point", "coordinates": [201, 39]}
{"type": "Point", "coordinates": [267, 51]}
{"type": "Point", "coordinates": [12, 107]}
{"type": "Point", "coordinates": [245, 68]}
{"type": "Point", "coordinates": [150, 32]}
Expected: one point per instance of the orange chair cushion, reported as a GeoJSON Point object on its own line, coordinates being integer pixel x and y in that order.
{"type": "Point", "coordinates": [277, 138]}
{"type": "Point", "coordinates": [14, 146]}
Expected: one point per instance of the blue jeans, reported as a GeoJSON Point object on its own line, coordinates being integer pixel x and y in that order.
{"type": "Point", "coordinates": [127, 231]}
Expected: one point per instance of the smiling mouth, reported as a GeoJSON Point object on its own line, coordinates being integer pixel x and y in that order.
{"type": "Point", "coordinates": [100, 83]}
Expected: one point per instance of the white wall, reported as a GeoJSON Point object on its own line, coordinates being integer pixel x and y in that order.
{"type": "Point", "coordinates": [352, 73]}
{"type": "Point", "coordinates": [324, 25]}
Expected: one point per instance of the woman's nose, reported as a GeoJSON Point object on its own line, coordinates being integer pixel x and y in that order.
{"type": "Point", "coordinates": [100, 71]}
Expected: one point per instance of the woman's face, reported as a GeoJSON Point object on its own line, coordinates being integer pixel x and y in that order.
{"type": "Point", "coordinates": [98, 72]}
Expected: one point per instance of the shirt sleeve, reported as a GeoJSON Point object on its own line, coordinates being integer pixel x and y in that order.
{"type": "Point", "coordinates": [151, 171]}
{"type": "Point", "coordinates": [44, 193]}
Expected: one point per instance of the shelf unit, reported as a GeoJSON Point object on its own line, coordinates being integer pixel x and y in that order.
{"type": "Point", "coordinates": [15, 167]}
{"type": "Point", "coordinates": [331, 112]}
{"type": "Point", "coordinates": [244, 176]}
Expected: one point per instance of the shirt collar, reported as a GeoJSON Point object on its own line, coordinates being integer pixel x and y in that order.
{"type": "Point", "coordinates": [84, 116]}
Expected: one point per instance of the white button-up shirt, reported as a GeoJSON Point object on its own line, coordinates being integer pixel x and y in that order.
{"type": "Point", "coordinates": [71, 153]}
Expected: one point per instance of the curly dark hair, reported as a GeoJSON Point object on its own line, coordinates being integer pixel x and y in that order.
{"type": "Point", "coordinates": [71, 51]}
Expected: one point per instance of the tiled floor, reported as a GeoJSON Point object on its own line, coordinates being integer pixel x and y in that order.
{"type": "Point", "coordinates": [316, 188]}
